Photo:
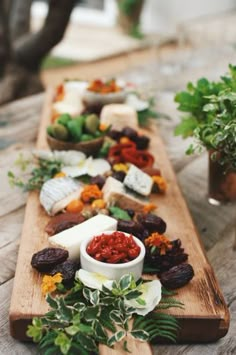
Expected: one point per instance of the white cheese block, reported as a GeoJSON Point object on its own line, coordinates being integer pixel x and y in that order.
{"type": "Point", "coordinates": [119, 116]}
{"type": "Point", "coordinates": [114, 193]}
{"type": "Point", "coordinates": [138, 181]}
{"type": "Point", "coordinates": [71, 238]}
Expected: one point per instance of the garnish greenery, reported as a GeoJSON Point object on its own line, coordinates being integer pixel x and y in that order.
{"type": "Point", "coordinates": [85, 318]}
{"type": "Point", "coordinates": [33, 180]}
{"type": "Point", "coordinates": [210, 116]}
{"type": "Point", "coordinates": [145, 115]}
{"type": "Point", "coordinates": [119, 213]}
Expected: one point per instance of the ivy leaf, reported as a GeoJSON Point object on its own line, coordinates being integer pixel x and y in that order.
{"type": "Point", "coordinates": [100, 332]}
{"type": "Point", "coordinates": [51, 301]}
{"type": "Point", "coordinates": [133, 294]}
{"type": "Point", "coordinates": [125, 282]}
{"type": "Point", "coordinates": [84, 328]}
{"type": "Point", "coordinates": [140, 334]}
{"type": "Point", "coordinates": [63, 342]}
{"type": "Point", "coordinates": [65, 311]}
{"type": "Point", "coordinates": [72, 330]}
{"type": "Point", "coordinates": [35, 330]}
{"type": "Point", "coordinates": [116, 317]}
{"type": "Point", "coordinates": [91, 313]}
{"type": "Point", "coordinates": [95, 297]}
{"type": "Point", "coordinates": [117, 337]}
{"type": "Point", "coordinates": [119, 213]}
{"type": "Point", "coordinates": [86, 342]}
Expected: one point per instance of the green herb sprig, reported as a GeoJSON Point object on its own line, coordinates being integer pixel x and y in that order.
{"type": "Point", "coordinates": [211, 117]}
{"type": "Point", "coordinates": [85, 318]}
{"type": "Point", "coordinates": [33, 180]}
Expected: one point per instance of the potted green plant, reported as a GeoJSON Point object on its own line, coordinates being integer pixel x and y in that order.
{"type": "Point", "coordinates": [129, 12]}
{"type": "Point", "coordinates": [210, 119]}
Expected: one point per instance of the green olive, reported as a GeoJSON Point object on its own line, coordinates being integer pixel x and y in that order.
{"type": "Point", "coordinates": [75, 129]}
{"type": "Point", "coordinates": [92, 123]}
{"type": "Point", "coordinates": [64, 119]}
{"type": "Point", "coordinates": [50, 130]}
{"type": "Point", "coordinates": [59, 131]}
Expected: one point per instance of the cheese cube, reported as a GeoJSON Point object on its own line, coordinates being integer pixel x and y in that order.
{"type": "Point", "coordinates": [138, 181]}
{"type": "Point", "coordinates": [114, 193]}
{"type": "Point", "coordinates": [119, 116]}
{"type": "Point", "coordinates": [71, 238]}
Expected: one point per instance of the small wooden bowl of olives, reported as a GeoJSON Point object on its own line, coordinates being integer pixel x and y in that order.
{"type": "Point", "coordinates": [81, 133]}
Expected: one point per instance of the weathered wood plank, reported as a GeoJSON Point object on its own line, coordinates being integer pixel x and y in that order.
{"type": "Point", "coordinates": [11, 198]}
{"type": "Point", "coordinates": [222, 257]}
{"type": "Point", "coordinates": [8, 345]}
{"type": "Point", "coordinates": [19, 121]}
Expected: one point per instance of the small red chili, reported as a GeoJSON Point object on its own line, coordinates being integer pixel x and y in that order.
{"type": "Point", "coordinates": [113, 248]}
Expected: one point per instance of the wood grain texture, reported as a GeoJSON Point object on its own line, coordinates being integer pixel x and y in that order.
{"type": "Point", "coordinates": [205, 317]}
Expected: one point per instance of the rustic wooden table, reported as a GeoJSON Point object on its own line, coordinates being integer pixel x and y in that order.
{"type": "Point", "coordinates": [18, 129]}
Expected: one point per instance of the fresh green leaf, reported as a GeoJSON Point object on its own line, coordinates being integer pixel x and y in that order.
{"type": "Point", "coordinates": [117, 337]}
{"type": "Point", "coordinates": [63, 342]}
{"type": "Point", "coordinates": [119, 213]}
{"type": "Point", "coordinates": [140, 335]}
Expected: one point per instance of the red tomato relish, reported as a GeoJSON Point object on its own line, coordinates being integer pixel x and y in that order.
{"type": "Point", "coordinates": [115, 248]}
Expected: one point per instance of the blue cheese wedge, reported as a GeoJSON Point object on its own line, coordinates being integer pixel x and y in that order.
{"type": "Point", "coordinates": [138, 181]}
{"type": "Point", "coordinates": [71, 238]}
{"type": "Point", "coordinates": [115, 193]}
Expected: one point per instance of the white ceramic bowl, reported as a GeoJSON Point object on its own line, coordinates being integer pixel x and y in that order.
{"type": "Point", "coordinates": [112, 271]}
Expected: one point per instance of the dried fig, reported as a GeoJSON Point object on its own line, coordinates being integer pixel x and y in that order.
{"type": "Point", "coordinates": [45, 259]}
{"type": "Point", "coordinates": [152, 222]}
{"type": "Point", "coordinates": [68, 269]}
{"type": "Point", "coordinates": [178, 276]}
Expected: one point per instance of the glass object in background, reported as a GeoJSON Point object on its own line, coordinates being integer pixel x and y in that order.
{"type": "Point", "coordinates": [221, 182]}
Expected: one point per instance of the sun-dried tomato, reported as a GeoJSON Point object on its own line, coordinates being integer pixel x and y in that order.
{"type": "Point", "coordinates": [113, 248]}
{"type": "Point", "coordinates": [141, 159]}
{"type": "Point", "coordinates": [115, 153]}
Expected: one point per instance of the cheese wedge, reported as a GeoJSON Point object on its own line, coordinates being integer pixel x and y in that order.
{"type": "Point", "coordinates": [71, 238]}
{"type": "Point", "coordinates": [115, 193]}
{"type": "Point", "coordinates": [119, 116]}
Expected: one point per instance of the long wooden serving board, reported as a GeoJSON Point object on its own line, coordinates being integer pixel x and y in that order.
{"type": "Point", "coordinates": [205, 316]}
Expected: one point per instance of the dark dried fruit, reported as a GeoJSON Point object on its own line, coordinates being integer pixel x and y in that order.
{"type": "Point", "coordinates": [119, 175]}
{"type": "Point", "coordinates": [98, 180]}
{"type": "Point", "coordinates": [114, 134]}
{"type": "Point", "coordinates": [172, 257]}
{"type": "Point", "coordinates": [68, 269]}
{"type": "Point", "coordinates": [178, 276]}
{"type": "Point", "coordinates": [45, 259]}
{"type": "Point", "coordinates": [142, 142]}
{"type": "Point", "coordinates": [130, 133]}
{"type": "Point", "coordinates": [130, 212]}
{"type": "Point", "coordinates": [63, 221]}
{"type": "Point", "coordinates": [132, 227]}
{"type": "Point", "coordinates": [152, 222]}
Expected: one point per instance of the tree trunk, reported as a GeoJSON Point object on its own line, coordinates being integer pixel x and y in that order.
{"type": "Point", "coordinates": [22, 52]}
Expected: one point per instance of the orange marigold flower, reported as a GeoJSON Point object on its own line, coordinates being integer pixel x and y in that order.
{"type": "Point", "coordinates": [49, 283]}
{"type": "Point", "coordinates": [161, 183]}
{"type": "Point", "coordinates": [160, 241]}
{"type": "Point", "coordinates": [90, 193]}
{"type": "Point", "coordinates": [149, 207]}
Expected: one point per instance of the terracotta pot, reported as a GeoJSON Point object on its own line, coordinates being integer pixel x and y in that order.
{"type": "Point", "coordinates": [221, 182]}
